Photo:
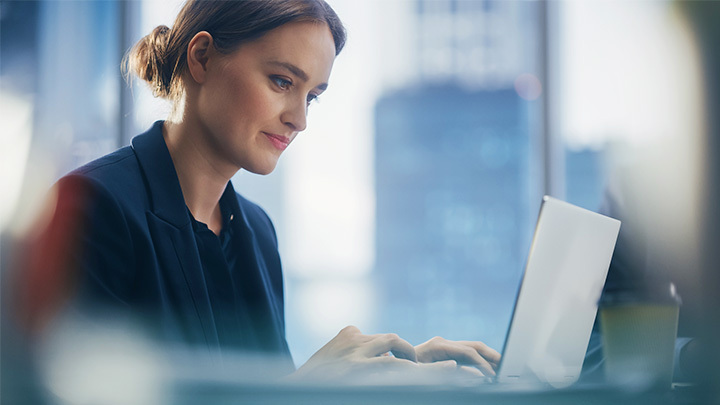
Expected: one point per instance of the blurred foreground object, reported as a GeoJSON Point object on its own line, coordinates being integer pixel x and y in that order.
{"type": "Point", "coordinates": [639, 332]}
{"type": "Point", "coordinates": [704, 16]}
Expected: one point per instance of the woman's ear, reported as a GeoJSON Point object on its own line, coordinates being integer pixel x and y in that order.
{"type": "Point", "coordinates": [198, 54]}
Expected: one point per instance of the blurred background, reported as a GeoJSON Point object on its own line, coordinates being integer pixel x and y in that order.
{"type": "Point", "coordinates": [408, 205]}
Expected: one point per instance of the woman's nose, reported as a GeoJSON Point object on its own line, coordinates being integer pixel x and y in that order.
{"type": "Point", "coordinates": [295, 115]}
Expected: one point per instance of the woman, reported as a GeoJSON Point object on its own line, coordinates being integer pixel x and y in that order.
{"type": "Point", "coordinates": [155, 229]}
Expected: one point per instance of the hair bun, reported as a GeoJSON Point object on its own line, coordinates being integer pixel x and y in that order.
{"type": "Point", "coordinates": [148, 60]}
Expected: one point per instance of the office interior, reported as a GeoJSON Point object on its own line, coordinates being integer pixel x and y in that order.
{"type": "Point", "coordinates": [408, 205]}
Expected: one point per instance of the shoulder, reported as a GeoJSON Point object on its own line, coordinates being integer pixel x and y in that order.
{"type": "Point", "coordinates": [116, 176]}
{"type": "Point", "coordinates": [257, 218]}
{"type": "Point", "coordinates": [112, 165]}
{"type": "Point", "coordinates": [254, 213]}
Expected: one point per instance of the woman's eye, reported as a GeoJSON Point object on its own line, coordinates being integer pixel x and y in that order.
{"type": "Point", "coordinates": [282, 83]}
{"type": "Point", "coordinates": [311, 98]}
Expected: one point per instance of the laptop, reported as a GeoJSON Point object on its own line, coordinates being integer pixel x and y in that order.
{"type": "Point", "coordinates": [557, 300]}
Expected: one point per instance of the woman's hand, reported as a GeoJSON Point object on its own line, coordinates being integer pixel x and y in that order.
{"type": "Point", "coordinates": [357, 359]}
{"type": "Point", "coordinates": [354, 358]}
{"type": "Point", "coordinates": [467, 353]}
{"type": "Point", "coordinates": [352, 352]}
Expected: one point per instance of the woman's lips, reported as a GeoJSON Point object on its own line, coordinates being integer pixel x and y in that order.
{"type": "Point", "coordinates": [279, 142]}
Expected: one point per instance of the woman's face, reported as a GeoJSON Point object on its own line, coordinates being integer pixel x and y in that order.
{"type": "Point", "coordinates": [253, 102]}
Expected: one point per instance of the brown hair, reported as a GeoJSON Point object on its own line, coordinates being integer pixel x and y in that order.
{"type": "Point", "coordinates": [160, 57]}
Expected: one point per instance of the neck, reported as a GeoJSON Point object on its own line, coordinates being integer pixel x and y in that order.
{"type": "Point", "coordinates": [201, 178]}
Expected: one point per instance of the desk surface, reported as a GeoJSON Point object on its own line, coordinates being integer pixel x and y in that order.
{"type": "Point", "coordinates": [224, 393]}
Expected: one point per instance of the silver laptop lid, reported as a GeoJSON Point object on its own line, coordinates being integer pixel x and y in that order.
{"type": "Point", "coordinates": [557, 301]}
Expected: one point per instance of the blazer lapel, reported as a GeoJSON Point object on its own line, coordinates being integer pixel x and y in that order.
{"type": "Point", "coordinates": [172, 233]}
{"type": "Point", "coordinates": [258, 291]}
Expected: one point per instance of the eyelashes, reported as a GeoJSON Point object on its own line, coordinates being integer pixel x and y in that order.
{"type": "Point", "coordinates": [282, 83]}
{"type": "Point", "coordinates": [286, 85]}
{"type": "Point", "coordinates": [312, 97]}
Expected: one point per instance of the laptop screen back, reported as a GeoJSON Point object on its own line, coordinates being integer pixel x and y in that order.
{"type": "Point", "coordinates": [557, 301]}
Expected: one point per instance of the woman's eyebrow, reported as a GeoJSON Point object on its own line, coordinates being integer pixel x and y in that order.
{"type": "Point", "coordinates": [296, 71]}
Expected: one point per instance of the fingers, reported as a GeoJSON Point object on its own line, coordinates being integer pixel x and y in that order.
{"type": "Point", "coordinates": [449, 372]}
{"type": "Point", "coordinates": [468, 355]}
{"type": "Point", "coordinates": [352, 356]}
{"type": "Point", "coordinates": [350, 330]}
{"type": "Point", "coordinates": [465, 352]}
{"type": "Point", "coordinates": [490, 354]}
{"type": "Point", "coordinates": [471, 371]}
{"type": "Point", "coordinates": [378, 345]}
{"type": "Point", "coordinates": [390, 370]}
{"type": "Point", "coordinates": [390, 342]}
{"type": "Point", "coordinates": [441, 368]}
{"type": "Point", "coordinates": [388, 363]}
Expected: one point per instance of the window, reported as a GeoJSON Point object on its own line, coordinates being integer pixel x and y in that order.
{"type": "Point", "coordinates": [409, 203]}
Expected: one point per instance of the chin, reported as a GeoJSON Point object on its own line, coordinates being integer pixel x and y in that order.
{"type": "Point", "coordinates": [262, 169]}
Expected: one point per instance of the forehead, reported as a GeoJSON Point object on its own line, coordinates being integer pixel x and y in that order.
{"type": "Point", "coordinates": [307, 45]}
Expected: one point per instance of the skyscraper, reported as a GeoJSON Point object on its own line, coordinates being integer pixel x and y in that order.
{"type": "Point", "coordinates": [452, 172]}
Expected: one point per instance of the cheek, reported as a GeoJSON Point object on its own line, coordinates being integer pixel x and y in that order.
{"type": "Point", "coordinates": [244, 102]}
{"type": "Point", "coordinates": [227, 105]}
{"type": "Point", "coordinates": [257, 103]}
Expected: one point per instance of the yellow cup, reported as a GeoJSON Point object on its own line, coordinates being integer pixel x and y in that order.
{"type": "Point", "coordinates": [639, 332]}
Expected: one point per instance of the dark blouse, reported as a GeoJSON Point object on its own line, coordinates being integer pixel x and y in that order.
{"type": "Point", "coordinates": [223, 271]}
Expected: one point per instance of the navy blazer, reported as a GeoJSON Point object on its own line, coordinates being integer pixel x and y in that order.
{"type": "Point", "coordinates": [123, 233]}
